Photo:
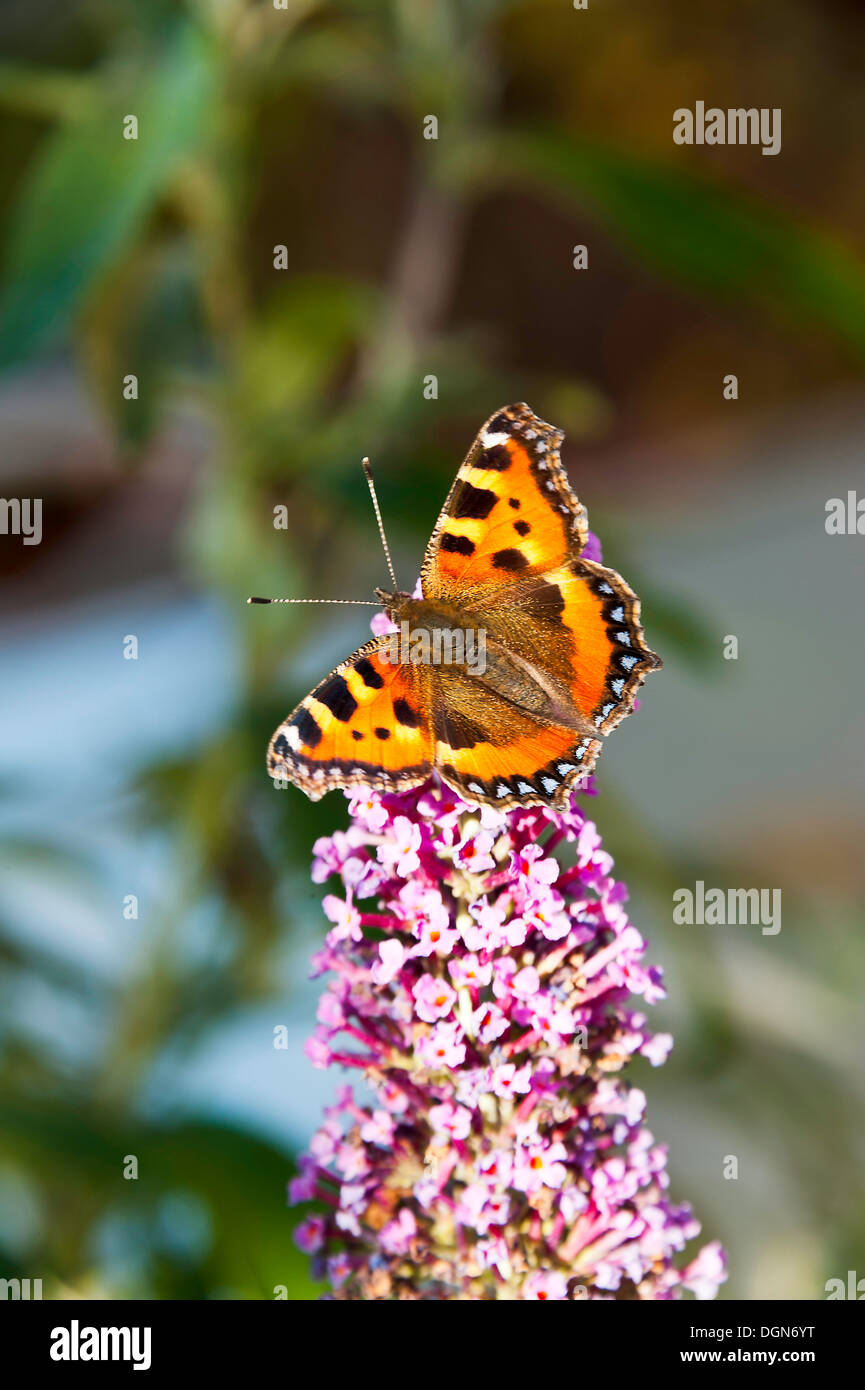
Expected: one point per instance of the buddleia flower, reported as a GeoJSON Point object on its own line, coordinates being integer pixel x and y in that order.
{"type": "Point", "coordinates": [487, 989]}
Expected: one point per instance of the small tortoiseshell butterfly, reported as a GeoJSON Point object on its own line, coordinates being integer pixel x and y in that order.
{"type": "Point", "coordinates": [564, 647]}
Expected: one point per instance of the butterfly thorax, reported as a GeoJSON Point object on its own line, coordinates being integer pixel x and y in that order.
{"type": "Point", "coordinates": [488, 660]}
{"type": "Point", "coordinates": [423, 614]}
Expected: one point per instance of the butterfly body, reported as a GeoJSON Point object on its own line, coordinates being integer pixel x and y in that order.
{"type": "Point", "coordinates": [504, 575]}
{"type": "Point", "coordinates": [513, 665]}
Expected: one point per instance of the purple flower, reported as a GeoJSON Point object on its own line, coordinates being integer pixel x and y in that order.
{"type": "Point", "coordinates": [433, 998]}
{"type": "Point", "coordinates": [481, 967]}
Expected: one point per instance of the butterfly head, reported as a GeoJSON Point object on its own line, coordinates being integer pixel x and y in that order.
{"type": "Point", "coordinates": [397, 604]}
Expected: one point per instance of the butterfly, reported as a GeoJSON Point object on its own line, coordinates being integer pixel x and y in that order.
{"type": "Point", "coordinates": [564, 650]}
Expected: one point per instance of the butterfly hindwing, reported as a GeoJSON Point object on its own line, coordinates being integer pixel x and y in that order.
{"type": "Point", "coordinates": [488, 750]}
{"type": "Point", "coordinates": [611, 659]}
{"type": "Point", "coordinates": [366, 724]}
{"type": "Point", "coordinates": [585, 620]}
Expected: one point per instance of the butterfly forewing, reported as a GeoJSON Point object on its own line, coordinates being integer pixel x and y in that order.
{"type": "Point", "coordinates": [509, 514]}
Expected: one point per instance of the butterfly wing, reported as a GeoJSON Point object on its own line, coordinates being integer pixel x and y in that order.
{"type": "Point", "coordinates": [510, 513]}
{"type": "Point", "coordinates": [585, 620]}
{"type": "Point", "coordinates": [365, 725]}
{"type": "Point", "coordinates": [490, 751]}
{"type": "Point", "coordinates": [508, 549]}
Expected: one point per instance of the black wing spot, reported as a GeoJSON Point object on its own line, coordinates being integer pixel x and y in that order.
{"type": "Point", "coordinates": [514, 502]}
{"type": "Point", "coordinates": [500, 425]}
{"type": "Point", "coordinates": [382, 733]}
{"type": "Point", "coordinates": [405, 714]}
{"type": "Point", "coordinates": [474, 502]}
{"type": "Point", "coordinates": [497, 459]}
{"type": "Point", "coordinates": [307, 728]}
{"type": "Point", "coordinates": [335, 694]}
{"type": "Point", "coordinates": [356, 733]}
{"type": "Point", "coordinates": [546, 602]}
{"type": "Point", "coordinates": [368, 674]}
{"type": "Point", "coordinates": [522, 528]}
{"type": "Point", "coordinates": [457, 730]}
{"type": "Point", "coordinates": [512, 560]}
{"type": "Point", "coordinates": [457, 545]}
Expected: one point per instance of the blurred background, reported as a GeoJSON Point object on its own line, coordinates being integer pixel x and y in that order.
{"type": "Point", "coordinates": [156, 913]}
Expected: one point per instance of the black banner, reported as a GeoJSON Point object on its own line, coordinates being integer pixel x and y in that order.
{"type": "Point", "coordinates": [81, 1339]}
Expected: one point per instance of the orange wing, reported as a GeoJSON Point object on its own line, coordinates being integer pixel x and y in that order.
{"type": "Point", "coordinates": [584, 620]}
{"type": "Point", "coordinates": [579, 625]}
{"type": "Point", "coordinates": [365, 725]}
{"type": "Point", "coordinates": [489, 750]}
{"type": "Point", "coordinates": [510, 513]}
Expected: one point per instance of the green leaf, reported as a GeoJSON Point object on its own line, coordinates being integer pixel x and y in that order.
{"type": "Point", "coordinates": [723, 241]}
{"type": "Point", "coordinates": [91, 189]}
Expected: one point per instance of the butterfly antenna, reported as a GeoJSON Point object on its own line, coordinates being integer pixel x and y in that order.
{"type": "Point", "coordinates": [368, 472]}
{"type": "Point", "coordinates": [363, 602]}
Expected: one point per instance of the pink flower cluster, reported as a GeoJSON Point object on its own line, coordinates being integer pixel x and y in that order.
{"type": "Point", "coordinates": [482, 965]}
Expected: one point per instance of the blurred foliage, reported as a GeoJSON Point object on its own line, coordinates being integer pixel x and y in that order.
{"type": "Point", "coordinates": [155, 257]}
{"type": "Point", "coordinates": [688, 227]}
{"type": "Point", "coordinates": [89, 192]}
